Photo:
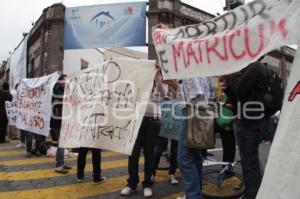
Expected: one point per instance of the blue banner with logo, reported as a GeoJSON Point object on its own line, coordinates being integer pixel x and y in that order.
{"type": "Point", "coordinates": [109, 25]}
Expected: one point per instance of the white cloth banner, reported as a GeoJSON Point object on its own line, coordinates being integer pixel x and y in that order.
{"type": "Point", "coordinates": [11, 112]}
{"type": "Point", "coordinates": [103, 107]}
{"type": "Point", "coordinates": [227, 43]}
{"type": "Point", "coordinates": [17, 64]}
{"type": "Point", "coordinates": [34, 105]}
{"type": "Point", "coordinates": [282, 173]}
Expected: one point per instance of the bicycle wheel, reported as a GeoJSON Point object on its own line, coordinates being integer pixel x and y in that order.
{"type": "Point", "coordinates": [231, 187]}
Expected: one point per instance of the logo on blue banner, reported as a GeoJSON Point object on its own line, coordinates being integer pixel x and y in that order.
{"type": "Point", "coordinates": [103, 20]}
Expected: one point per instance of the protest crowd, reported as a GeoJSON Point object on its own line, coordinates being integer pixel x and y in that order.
{"type": "Point", "coordinates": [70, 116]}
{"type": "Point", "coordinates": [245, 86]}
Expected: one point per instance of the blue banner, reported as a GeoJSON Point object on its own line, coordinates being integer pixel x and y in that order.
{"type": "Point", "coordinates": [109, 25]}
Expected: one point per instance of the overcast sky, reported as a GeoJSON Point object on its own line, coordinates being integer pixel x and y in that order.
{"type": "Point", "coordinates": [16, 16]}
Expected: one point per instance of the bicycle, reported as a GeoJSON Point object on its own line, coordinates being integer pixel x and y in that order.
{"type": "Point", "coordinates": [221, 181]}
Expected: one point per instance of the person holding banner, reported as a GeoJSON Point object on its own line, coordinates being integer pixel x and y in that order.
{"type": "Point", "coordinates": [4, 96]}
{"type": "Point", "coordinates": [146, 139]}
{"type": "Point", "coordinates": [55, 123]}
{"type": "Point", "coordinates": [162, 142]}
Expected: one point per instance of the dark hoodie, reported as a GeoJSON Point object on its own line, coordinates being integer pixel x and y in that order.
{"type": "Point", "coordinates": [250, 86]}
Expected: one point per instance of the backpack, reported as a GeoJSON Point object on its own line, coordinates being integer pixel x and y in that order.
{"type": "Point", "coordinates": [274, 92]}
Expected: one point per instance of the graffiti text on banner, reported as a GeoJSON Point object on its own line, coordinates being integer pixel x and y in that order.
{"type": "Point", "coordinates": [34, 104]}
{"type": "Point", "coordinates": [104, 105]}
{"type": "Point", "coordinates": [227, 43]}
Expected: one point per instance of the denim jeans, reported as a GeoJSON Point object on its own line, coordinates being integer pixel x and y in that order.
{"type": "Point", "coordinates": [190, 165]}
{"type": "Point", "coordinates": [161, 146]}
{"type": "Point", "coordinates": [146, 139]}
{"type": "Point", "coordinates": [248, 138]}
{"type": "Point", "coordinates": [60, 155]}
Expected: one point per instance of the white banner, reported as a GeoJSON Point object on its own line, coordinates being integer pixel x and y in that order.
{"type": "Point", "coordinates": [104, 106]}
{"type": "Point", "coordinates": [229, 42]}
{"type": "Point", "coordinates": [281, 178]}
{"type": "Point", "coordinates": [17, 64]}
{"type": "Point", "coordinates": [79, 59]}
{"type": "Point", "coordinates": [34, 104]}
{"type": "Point", "coordinates": [11, 112]}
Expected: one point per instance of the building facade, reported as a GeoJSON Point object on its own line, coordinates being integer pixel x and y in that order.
{"type": "Point", "coordinates": [45, 43]}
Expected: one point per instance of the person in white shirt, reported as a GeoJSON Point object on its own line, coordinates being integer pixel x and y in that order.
{"type": "Point", "coordinates": [195, 91]}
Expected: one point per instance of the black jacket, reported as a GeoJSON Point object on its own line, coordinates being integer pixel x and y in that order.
{"type": "Point", "coordinates": [57, 100]}
{"type": "Point", "coordinates": [250, 86]}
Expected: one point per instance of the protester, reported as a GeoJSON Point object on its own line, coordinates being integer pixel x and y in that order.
{"type": "Point", "coordinates": [55, 124]}
{"type": "Point", "coordinates": [248, 88]}
{"type": "Point", "coordinates": [4, 96]}
{"type": "Point", "coordinates": [146, 139]}
{"type": "Point", "coordinates": [162, 142]}
{"type": "Point", "coordinates": [225, 125]}
{"type": "Point", "coordinates": [96, 160]}
{"type": "Point", "coordinates": [194, 91]}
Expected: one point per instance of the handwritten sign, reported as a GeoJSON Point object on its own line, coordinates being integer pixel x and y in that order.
{"type": "Point", "coordinates": [34, 104]}
{"type": "Point", "coordinates": [170, 119]}
{"type": "Point", "coordinates": [229, 42]}
{"type": "Point", "coordinates": [103, 107]}
{"type": "Point", "coordinates": [11, 112]}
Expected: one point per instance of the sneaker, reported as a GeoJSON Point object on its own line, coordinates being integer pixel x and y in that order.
{"type": "Point", "coordinates": [20, 145]}
{"type": "Point", "coordinates": [61, 170]}
{"type": "Point", "coordinates": [102, 180]}
{"type": "Point", "coordinates": [67, 167]}
{"type": "Point", "coordinates": [148, 193]}
{"type": "Point", "coordinates": [79, 180]}
{"type": "Point", "coordinates": [181, 197]}
{"type": "Point", "coordinates": [173, 180]}
{"type": "Point", "coordinates": [127, 191]}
